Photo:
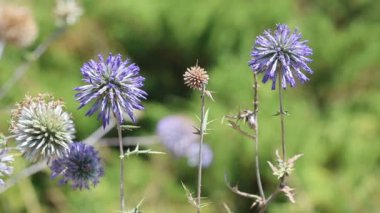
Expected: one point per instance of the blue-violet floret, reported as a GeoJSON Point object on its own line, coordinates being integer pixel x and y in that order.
{"type": "Point", "coordinates": [81, 166]}
{"type": "Point", "coordinates": [114, 85]}
{"type": "Point", "coordinates": [281, 53]}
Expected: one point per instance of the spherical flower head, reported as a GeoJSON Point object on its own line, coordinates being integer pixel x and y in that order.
{"type": "Point", "coordinates": [193, 155]}
{"type": "Point", "coordinates": [17, 25]}
{"type": "Point", "coordinates": [81, 166]}
{"type": "Point", "coordinates": [195, 77]}
{"type": "Point", "coordinates": [41, 127]}
{"type": "Point", "coordinates": [67, 12]}
{"type": "Point", "coordinates": [114, 85]}
{"type": "Point", "coordinates": [6, 160]}
{"type": "Point", "coordinates": [281, 53]}
{"type": "Point", "coordinates": [176, 133]}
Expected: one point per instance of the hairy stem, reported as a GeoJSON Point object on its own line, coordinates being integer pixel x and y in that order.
{"type": "Point", "coordinates": [200, 149]}
{"type": "Point", "coordinates": [282, 114]}
{"type": "Point", "coordinates": [255, 110]}
{"type": "Point", "coordinates": [122, 199]}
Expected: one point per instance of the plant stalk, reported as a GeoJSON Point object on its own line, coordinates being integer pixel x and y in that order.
{"type": "Point", "coordinates": [122, 199]}
{"type": "Point", "coordinates": [255, 110]}
{"type": "Point", "coordinates": [200, 149]}
{"type": "Point", "coordinates": [282, 113]}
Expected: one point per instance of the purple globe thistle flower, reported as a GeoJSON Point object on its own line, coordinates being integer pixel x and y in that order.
{"type": "Point", "coordinates": [81, 166]}
{"type": "Point", "coordinates": [114, 85]}
{"type": "Point", "coordinates": [193, 156]}
{"type": "Point", "coordinates": [5, 160]}
{"type": "Point", "coordinates": [281, 52]}
{"type": "Point", "coordinates": [176, 133]}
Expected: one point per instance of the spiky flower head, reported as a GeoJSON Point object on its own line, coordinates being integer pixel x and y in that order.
{"type": "Point", "coordinates": [67, 12]}
{"type": "Point", "coordinates": [281, 53]}
{"type": "Point", "coordinates": [114, 85]}
{"type": "Point", "coordinates": [5, 161]}
{"type": "Point", "coordinates": [17, 25]}
{"type": "Point", "coordinates": [81, 166]}
{"type": "Point", "coordinates": [195, 77]}
{"type": "Point", "coordinates": [41, 127]}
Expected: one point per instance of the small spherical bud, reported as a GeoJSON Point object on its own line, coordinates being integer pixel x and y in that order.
{"type": "Point", "coordinates": [195, 77]}
{"type": "Point", "coordinates": [17, 25]}
{"type": "Point", "coordinates": [41, 128]}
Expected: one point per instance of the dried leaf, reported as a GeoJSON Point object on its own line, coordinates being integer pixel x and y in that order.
{"type": "Point", "coordinates": [289, 193]}
{"type": "Point", "coordinates": [189, 196]}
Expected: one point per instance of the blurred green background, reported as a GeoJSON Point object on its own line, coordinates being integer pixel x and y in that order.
{"type": "Point", "coordinates": [334, 120]}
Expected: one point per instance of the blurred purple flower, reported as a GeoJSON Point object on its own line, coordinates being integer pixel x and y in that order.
{"type": "Point", "coordinates": [114, 84]}
{"type": "Point", "coordinates": [281, 51]}
{"type": "Point", "coordinates": [81, 166]}
{"type": "Point", "coordinates": [193, 157]}
{"type": "Point", "coordinates": [5, 161]}
{"type": "Point", "coordinates": [176, 133]}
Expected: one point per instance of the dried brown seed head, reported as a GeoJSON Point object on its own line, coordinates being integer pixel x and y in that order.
{"type": "Point", "coordinates": [17, 25]}
{"type": "Point", "coordinates": [195, 77]}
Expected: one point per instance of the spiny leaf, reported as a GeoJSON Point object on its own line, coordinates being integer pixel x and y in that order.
{"type": "Point", "coordinates": [137, 151]}
{"type": "Point", "coordinates": [205, 118]}
{"type": "Point", "coordinates": [129, 127]}
{"type": "Point", "coordinates": [227, 208]}
{"type": "Point", "coordinates": [209, 94]}
{"type": "Point", "coordinates": [189, 195]}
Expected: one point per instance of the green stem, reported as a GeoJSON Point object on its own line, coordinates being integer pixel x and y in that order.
{"type": "Point", "coordinates": [122, 199]}
{"type": "Point", "coordinates": [255, 110]}
{"type": "Point", "coordinates": [282, 113]}
{"type": "Point", "coordinates": [200, 149]}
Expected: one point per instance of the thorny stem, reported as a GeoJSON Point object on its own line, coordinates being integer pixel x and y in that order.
{"type": "Point", "coordinates": [269, 200]}
{"type": "Point", "coordinates": [122, 199]}
{"type": "Point", "coordinates": [282, 113]}
{"type": "Point", "coordinates": [256, 109]}
{"type": "Point", "coordinates": [200, 149]}
{"type": "Point", "coordinates": [36, 54]}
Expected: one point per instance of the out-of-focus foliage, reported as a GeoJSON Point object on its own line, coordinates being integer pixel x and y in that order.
{"type": "Point", "coordinates": [334, 120]}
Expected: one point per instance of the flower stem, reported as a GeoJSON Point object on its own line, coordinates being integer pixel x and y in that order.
{"type": "Point", "coordinates": [255, 110]}
{"type": "Point", "coordinates": [122, 199]}
{"type": "Point", "coordinates": [200, 149]}
{"type": "Point", "coordinates": [282, 113]}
